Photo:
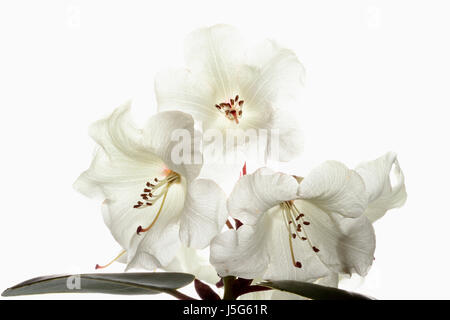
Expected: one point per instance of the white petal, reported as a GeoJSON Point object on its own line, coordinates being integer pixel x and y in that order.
{"type": "Point", "coordinates": [346, 245]}
{"type": "Point", "coordinates": [217, 51]}
{"type": "Point", "coordinates": [123, 219]}
{"type": "Point", "coordinates": [335, 188]}
{"type": "Point", "coordinates": [157, 249]}
{"type": "Point", "coordinates": [187, 91]}
{"type": "Point", "coordinates": [286, 138]}
{"type": "Point", "coordinates": [204, 213]}
{"type": "Point", "coordinates": [331, 280]}
{"type": "Point", "coordinates": [159, 245]}
{"type": "Point", "coordinates": [121, 160]}
{"type": "Point", "coordinates": [383, 193]}
{"type": "Point", "coordinates": [274, 76]}
{"type": "Point", "coordinates": [119, 172]}
{"type": "Point", "coordinates": [256, 193]}
{"type": "Point", "coordinates": [189, 260]}
{"type": "Point", "coordinates": [281, 266]}
{"type": "Point", "coordinates": [180, 153]}
{"type": "Point", "coordinates": [241, 252]}
{"type": "Point", "coordinates": [119, 137]}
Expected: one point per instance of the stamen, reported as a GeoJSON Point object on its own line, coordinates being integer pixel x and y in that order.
{"type": "Point", "coordinates": [140, 229]}
{"type": "Point", "coordinates": [231, 109]}
{"type": "Point", "coordinates": [111, 262]}
{"type": "Point", "coordinates": [300, 216]}
{"type": "Point", "coordinates": [149, 195]}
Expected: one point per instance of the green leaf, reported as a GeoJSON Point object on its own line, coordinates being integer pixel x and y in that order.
{"type": "Point", "coordinates": [314, 291]}
{"type": "Point", "coordinates": [111, 283]}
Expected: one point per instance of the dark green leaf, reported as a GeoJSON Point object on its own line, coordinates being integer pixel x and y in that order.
{"type": "Point", "coordinates": [111, 283]}
{"type": "Point", "coordinates": [314, 291]}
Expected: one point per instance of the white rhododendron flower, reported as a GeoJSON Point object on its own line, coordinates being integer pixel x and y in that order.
{"type": "Point", "coordinates": [297, 228]}
{"type": "Point", "coordinates": [227, 85]}
{"type": "Point", "coordinates": [384, 194]}
{"type": "Point", "coordinates": [151, 202]}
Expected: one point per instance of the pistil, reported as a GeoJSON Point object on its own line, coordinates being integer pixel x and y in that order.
{"type": "Point", "coordinates": [111, 262]}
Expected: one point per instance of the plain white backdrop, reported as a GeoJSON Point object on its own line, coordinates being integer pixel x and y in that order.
{"type": "Point", "coordinates": [377, 80]}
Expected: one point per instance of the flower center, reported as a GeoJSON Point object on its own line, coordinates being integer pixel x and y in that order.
{"type": "Point", "coordinates": [295, 224]}
{"type": "Point", "coordinates": [232, 109]}
{"type": "Point", "coordinates": [153, 191]}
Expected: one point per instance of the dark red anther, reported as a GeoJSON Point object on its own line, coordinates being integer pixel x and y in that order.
{"type": "Point", "coordinates": [299, 228]}
{"type": "Point", "coordinates": [218, 107]}
{"type": "Point", "coordinates": [232, 102]}
{"type": "Point", "coordinates": [290, 222]}
{"type": "Point", "coordinates": [148, 184]}
{"type": "Point", "coordinates": [149, 203]}
{"type": "Point", "coordinates": [298, 264]}
{"type": "Point", "coordinates": [241, 103]}
{"type": "Point", "coordinates": [97, 267]}
{"type": "Point", "coordinates": [304, 238]}
{"type": "Point", "coordinates": [156, 180]}
{"type": "Point", "coordinates": [298, 217]}
{"type": "Point", "coordinates": [315, 249]}
{"type": "Point", "coordinates": [294, 235]}
{"type": "Point", "coordinates": [306, 223]}
{"type": "Point", "coordinates": [238, 223]}
{"type": "Point", "coordinates": [136, 206]}
{"type": "Point", "coordinates": [139, 230]}
{"type": "Point", "coordinates": [236, 98]}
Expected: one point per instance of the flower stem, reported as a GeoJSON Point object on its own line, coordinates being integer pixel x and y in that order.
{"type": "Point", "coordinates": [228, 286]}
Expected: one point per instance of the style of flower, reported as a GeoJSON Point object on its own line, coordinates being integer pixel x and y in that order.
{"type": "Point", "coordinates": [151, 202]}
{"type": "Point", "coordinates": [297, 228]}
{"type": "Point", "coordinates": [228, 86]}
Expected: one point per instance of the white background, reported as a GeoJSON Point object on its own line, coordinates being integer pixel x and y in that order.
{"type": "Point", "coordinates": [377, 80]}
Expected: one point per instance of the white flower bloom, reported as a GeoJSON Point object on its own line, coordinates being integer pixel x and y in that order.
{"type": "Point", "coordinates": [226, 85]}
{"type": "Point", "coordinates": [297, 228]}
{"type": "Point", "coordinates": [150, 201]}
{"type": "Point", "coordinates": [383, 193]}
